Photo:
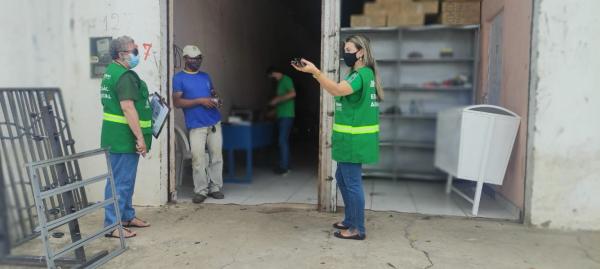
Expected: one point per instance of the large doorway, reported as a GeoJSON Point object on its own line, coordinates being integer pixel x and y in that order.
{"type": "Point", "coordinates": [429, 63]}
{"type": "Point", "coordinates": [239, 41]}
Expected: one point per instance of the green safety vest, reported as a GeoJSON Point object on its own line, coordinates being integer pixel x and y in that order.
{"type": "Point", "coordinates": [355, 136]}
{"type": "Point", "coordinates": [116, 134]}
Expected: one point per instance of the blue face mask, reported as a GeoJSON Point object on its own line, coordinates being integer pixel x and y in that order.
{"type": "Point", "coordinates": [134, 60]}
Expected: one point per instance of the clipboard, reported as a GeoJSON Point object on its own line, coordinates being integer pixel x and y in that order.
{"type": "Point", "coordinates": [160, 113]}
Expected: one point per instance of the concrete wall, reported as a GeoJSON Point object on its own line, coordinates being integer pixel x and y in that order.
{"type": "Point", "coordinates": [564, 161]}
{"type": "Point", "coordinates": [46, 44]}
{"type": "Point", "coordinates": [515, 81]}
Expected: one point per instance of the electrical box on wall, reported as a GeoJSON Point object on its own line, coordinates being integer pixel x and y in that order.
{"type": "Point", "coordinates": [99, 55]}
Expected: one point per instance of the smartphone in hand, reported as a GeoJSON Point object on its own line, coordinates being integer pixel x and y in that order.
{"type": "Point", "coordinates": [298, 62]}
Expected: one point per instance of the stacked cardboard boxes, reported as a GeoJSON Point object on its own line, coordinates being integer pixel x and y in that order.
{"type": "Point", "coordinates": [395, 13]}
{"type": "Point", "coordinates": [461, 12]}
{"type": "Point", "coordinates": [368, 20]}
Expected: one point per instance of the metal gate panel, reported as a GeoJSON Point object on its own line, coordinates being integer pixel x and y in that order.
{"type": "Point", "coordinates": [64, 189]}
{"type": "Point", "coordinates": [33, 127]}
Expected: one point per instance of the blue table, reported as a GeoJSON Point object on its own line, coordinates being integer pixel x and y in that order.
{"type": "Point", "coordinates": [245, 137]}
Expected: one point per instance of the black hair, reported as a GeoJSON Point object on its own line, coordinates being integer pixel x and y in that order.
{"type": "Point", "coordinates": [272, 69]}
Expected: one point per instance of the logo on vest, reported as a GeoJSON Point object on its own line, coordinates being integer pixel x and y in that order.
{"type": "Point", "coordinates": [372, 84]}
{"type": "Point", "coordinates": [374, 102]}
{"type": "Point", "coordinates": [104, 92]}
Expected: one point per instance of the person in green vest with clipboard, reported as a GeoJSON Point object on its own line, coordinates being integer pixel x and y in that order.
{"type": "Point", "coordinates": [355, 139]}
{"type": "Point", "coordinates": [126, 130]}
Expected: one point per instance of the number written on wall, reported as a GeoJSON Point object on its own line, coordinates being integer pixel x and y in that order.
{"type": "Point", "coordinates": [147, 48]}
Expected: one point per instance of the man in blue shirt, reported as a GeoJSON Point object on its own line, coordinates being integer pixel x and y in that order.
{"type": "Point", "coordinates": [193, 91]}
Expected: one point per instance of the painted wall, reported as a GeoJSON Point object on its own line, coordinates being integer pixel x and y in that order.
{"type": "Point", "coordinates": [565, 146]}
{"type": "Point", "coordinates": [515, 81]}
{"type": "Point", "coordinates": [46, 44]}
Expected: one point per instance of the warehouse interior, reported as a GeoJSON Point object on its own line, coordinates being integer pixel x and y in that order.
{"type": "Point", "coordinates": [240, 40]}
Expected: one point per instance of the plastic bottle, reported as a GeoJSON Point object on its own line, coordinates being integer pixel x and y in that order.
{"type": "Point", "coordinates": [413, 107]}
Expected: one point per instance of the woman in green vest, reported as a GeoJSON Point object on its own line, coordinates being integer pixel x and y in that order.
{"type": "Point", "coordinates": [355, 139]}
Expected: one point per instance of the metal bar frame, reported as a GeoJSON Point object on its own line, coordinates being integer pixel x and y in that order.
{"type": "Point", "coordinates": [37, 129]}
{"type": "Point", "coordinates": [29, 104]}
{"type": "Point", "coordinates": [72, 186]}
{"type": "Point", "coordinates": [62, 176]}
{"type": "Point", "coordinates": [45, 225]}
{"type": "Point", "coordinates": [26, 203]}
{"type": "Point", "coordinates": [4, 240]}
{"type": "Point", "coordinates": [26, 139]}
{"type": "Point", "coordinates": [11, 173]}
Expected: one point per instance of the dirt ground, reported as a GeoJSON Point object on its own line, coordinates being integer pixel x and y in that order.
{"type": "Point", "coordinates": [297, 236]}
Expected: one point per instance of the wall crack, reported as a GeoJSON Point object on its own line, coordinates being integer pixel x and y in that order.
{"type": "Point", "coordinates": [586, 252]}
{"type": "Point", "coordinates": [234, 260]}
{"type": "Point", "coordinates": [414, 246]}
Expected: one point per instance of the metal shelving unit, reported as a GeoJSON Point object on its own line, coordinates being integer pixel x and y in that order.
{"type": "Point", "coordinates": [433, 60]}
{"type": "Point", "coordinates": [407, 144]}
{"type": "Point", "coordinates": [420, 88]}
{"type": "Point", "coordinates": [408, 117]}
{"type": "Point", "coordinates": [407, 140]}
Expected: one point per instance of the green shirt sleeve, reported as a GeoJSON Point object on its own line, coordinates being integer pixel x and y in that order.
{"type": "Point", "coordinates": [355, 81]}
{"type": "Point", "coordinates": [128, 87]}
{"type": "Point", "coordinates": [286, 85]}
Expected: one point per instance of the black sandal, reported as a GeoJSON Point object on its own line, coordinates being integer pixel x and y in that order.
{"type": "Point", "coordinates": [111, 234]}
{"type": "Point", "coordinates": [339, 226]}
{"type": "Point", "coordinates": [353, 237]}
{"type": "Point", "coordinates": [130, 225]}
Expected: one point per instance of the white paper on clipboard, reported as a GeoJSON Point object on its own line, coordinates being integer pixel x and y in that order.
{"type": "Point", "coordinates": [160, 111]}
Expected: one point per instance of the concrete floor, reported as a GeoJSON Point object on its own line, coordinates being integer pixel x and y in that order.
{"type": "Point", "coordinates": [300, 186]}
{"type": "Point", "coordinates": [422, 197]}
{"type": "Point", "coordinates": [295, 236]}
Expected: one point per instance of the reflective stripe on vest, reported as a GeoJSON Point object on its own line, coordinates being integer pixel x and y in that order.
{"type": "Point", "coordinates": [123, 120]}
{"type": "Point", "coordinates": [347, 129]}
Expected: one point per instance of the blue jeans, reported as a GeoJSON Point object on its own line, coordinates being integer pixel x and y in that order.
{"type": "Point", "coordinates": [285, 127]}
{"type": "Point", "coordinates": [349, 181]}
{"type": "Point", "coordinates": [124, 169]}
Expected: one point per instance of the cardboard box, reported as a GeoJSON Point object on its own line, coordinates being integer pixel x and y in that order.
{"type": "Point", "coordinates": [398, 12]}
{"type": "Point", "coordinates": [429, 6]}
{"type": "Point", "coordinates": [412, 8]}
{"type": "Point", "coordinates": [368, 21]}
{"type": "Point", "coordinates": [461, 12]}
{"type": "Point", "coordinates": [406, 19]}
{"type": "Point", "coordinates": [374, 9]}
{"type": "Point", "coordinates": [389, 3]}
{"type": "Point", "coordinates": [408, 14]}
